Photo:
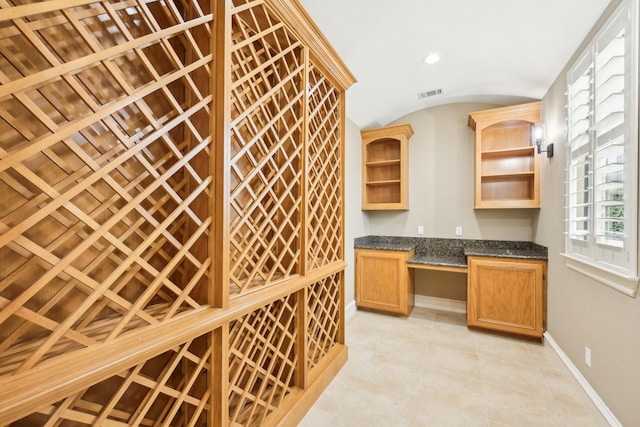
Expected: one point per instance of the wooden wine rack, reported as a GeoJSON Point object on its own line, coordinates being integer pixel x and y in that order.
{"type": "Point", "coordinates": [171, 212]}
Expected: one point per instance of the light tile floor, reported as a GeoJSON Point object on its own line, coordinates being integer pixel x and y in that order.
{"type": "Point", "coordinates": [430, 370]}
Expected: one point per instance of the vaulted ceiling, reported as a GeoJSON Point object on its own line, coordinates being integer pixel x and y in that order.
{"type": "Point", "coordinates": [497, 51]}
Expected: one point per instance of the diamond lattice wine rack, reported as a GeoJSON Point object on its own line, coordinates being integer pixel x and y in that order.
{"type": "Point", "coordinates": [171, 212]}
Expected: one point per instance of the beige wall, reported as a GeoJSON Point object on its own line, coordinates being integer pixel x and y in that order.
{"type": "Point", "coordinates": [356, 222]}
{"type": "Point", "coordinates": [441, 183]}
{"type": "Point", "coordinates": [582, 312]}
{"type": "Point", "coordinates": [441, 194]}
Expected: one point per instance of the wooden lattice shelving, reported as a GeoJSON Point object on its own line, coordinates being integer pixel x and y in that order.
{"type": "Point", "coordinates": [171, 212]}
{"type": "Point", "coordinates": [267, 98]}
{"type": "Point", "coordinates": [324, 172]}
{"type": "Point", "coordinates": [262, 361]}
{"type": "Point", "coordinates": [170, 388]}
{"type": "Point", "coordinates": [324, 320]}
{"type": "Point", "coordinates": [102, 174]}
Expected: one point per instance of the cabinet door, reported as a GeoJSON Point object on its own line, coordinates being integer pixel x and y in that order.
{"type": "Point", "coordinates": [383, 282]}
{"type": "Point", "coordinates": [506, 295]}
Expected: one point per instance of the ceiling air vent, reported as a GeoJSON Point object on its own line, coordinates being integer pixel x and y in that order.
{"type": "Point", "coordinates": [434, 92]}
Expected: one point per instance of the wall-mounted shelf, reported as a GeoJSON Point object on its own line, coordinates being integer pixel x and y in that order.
{"type": "Point", "coordinates": [383, 163]}
{"type": "Point", "coordinates": [507, 168]}
{"type": "Point", "coordinates": [386, 182]}
{"type": "Point", "coordinates": [385, 156]}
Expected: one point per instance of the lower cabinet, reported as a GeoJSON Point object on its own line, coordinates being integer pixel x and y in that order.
{"type": "Point", "coordinates": [507, 294]}
{"type": "Point", "coordinates": [383, 281]}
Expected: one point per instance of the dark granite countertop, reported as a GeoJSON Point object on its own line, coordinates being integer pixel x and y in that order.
{"type": "Point", "coordinates": [507, 249]}
{"type": "Point", "coordinates": [452, 252]}
{"type": "Point", "coordinates": [385, 243]}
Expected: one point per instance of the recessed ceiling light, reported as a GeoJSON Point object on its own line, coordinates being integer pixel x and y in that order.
{"type": "Point", "coordinates": [432, 58]}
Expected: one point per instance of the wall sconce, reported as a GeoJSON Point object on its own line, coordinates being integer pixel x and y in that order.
{"type": "Point", "coordinates": [537, 136]}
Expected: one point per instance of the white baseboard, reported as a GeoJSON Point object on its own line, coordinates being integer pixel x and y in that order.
{"type": "Point", "coordinates": [350, 309]}
{"type": "Point", "coordinates": [442, 304]}
{"type": "Point", "coordinates": [593, 395]}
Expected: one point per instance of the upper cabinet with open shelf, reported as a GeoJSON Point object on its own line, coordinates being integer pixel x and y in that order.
{"type": "Point", "coordinates": [507, 169]}
{"type": "Point", "coordinates": [385, 156]}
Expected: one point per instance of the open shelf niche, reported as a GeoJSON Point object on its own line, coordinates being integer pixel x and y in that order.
{"type": "Point", "coordinates": [507, 169]}
{"type": "Point", "coordinates": [385, 168]}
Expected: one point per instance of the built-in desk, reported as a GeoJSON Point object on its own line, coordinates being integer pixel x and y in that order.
{"type": "Point", "coordinates": [431, 253]}
{"type": "Point", "coordinates": [506, 288]}
{"type": "Point", "coordinates": [453, 263]}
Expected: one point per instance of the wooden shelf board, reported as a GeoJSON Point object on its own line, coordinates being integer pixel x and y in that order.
{"type": "Point", "coordinates": [385, 206]}
{"type": "Point", "coordinates": [15, 356]}
{"type": "Point", "coordinates": [508, 204]}
{"type": "Point", "coordinates": [499, 176]}
{"type": "Point", "coordinates": [519, 151]}
{"type": "Point", "coordinates": [382, 163]}
{"type": "Point", "coordinates": [438, 268]}
{"type": "Point", "coordinates": [389, 182]}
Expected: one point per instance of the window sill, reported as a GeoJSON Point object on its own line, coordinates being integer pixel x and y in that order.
{"type": "Point", "coordinates": [626, 284]}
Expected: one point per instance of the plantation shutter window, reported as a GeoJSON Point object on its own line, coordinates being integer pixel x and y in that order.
{"type": "Point", "coordinates": [602, 161]}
